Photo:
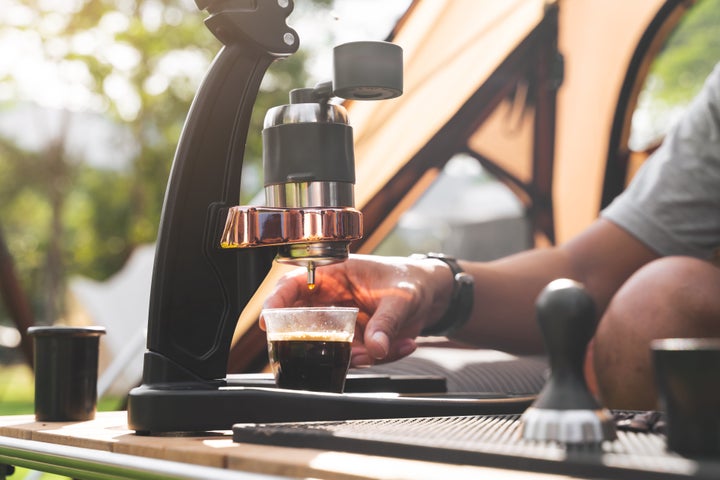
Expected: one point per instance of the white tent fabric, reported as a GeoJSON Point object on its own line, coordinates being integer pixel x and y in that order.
{"type": "Point", "coordinates": [120, 304]}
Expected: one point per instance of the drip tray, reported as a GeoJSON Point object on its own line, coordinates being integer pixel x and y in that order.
{"type": "Point", "coordinates": [357, 382]}
{"type": "Point", "coordinates": [157, 410]}
{"type": "Point", "coordinates": [485, 440]}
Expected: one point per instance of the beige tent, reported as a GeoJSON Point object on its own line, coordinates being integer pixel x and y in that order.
{"type": "Point", "coordinates": [540, 92]}
{"type": "Point", "coordinates": [480, 77]}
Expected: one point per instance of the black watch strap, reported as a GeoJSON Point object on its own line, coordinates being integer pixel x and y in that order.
{"type": "Point", "coordinates": [461, 299]}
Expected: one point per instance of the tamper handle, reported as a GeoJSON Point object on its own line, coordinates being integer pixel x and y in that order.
{"type": "Point", "coordinates": [566, 315]}
{"type": "Point", "coordinates": [567, 320]}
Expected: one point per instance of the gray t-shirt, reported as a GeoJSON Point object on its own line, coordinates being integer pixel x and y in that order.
{"type": "Point", "coordinates": [673, 203]}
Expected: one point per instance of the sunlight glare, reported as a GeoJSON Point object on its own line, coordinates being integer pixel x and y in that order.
{"type": "Point", "coordinates": [57, 47]}
{"type": "Point", "coordinates": [83, 43]}
{"type": "Point", "coordinates": [52, 23]}
{"type": "Point", "coordinates": [122, 56]}
{"type": "Point", "coordinates": [114, 22]}
{"type": "Point", "coordinates": [173, 15]}
{"type": "Point", "coordinates": [18, 16]}
{"type": "Point", "coordinates": [156, 84]}
{"type": "Point", "coordinates": [189, 63]}
{"type": "Point", "coordinates": [151, 15]}
{"type": "Point", "coordinates": [60, 6]}
{"type": "Point", "coordinates": [118, 88]}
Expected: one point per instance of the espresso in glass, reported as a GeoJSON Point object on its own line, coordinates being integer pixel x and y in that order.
{"type": "Point", "coordinates": [309, 347]}
{"type": "Point", "coordinates": [310, 361]}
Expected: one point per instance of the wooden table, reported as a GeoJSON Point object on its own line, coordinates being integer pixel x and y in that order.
{"type": "Point", "coordinates": [105, 448]}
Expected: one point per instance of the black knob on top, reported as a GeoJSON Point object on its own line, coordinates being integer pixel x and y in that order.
{"type": "Point", "coordinates": [565, 410]}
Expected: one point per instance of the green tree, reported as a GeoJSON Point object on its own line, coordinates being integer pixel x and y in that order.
{"type": "Point", "coordinates": [677, 73]}
{"type": "Point", "coordinates": [137, 63]}
{"type": "Point", "coordinates": [689, 54]}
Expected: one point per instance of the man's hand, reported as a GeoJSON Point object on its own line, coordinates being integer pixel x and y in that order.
{"type": "Point", "coordinates": [397, 297]}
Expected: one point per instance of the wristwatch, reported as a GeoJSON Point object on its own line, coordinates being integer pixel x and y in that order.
{"type": "Point", "coordinates": [461, 299]}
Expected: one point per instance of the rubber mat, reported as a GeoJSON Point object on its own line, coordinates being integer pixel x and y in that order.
{"type": "Point", "coordinates": [493, 441]}
{"type": "Point", "coordinates": [471, 370]}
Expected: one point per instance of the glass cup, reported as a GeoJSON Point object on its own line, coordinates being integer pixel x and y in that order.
{"type": "Point", "coordinates": [309, 347]}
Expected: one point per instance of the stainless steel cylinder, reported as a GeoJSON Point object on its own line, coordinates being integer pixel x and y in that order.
{"type": "Point", "coordinates": [310, 194]}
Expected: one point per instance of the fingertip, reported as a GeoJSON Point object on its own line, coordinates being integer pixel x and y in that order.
{"type": "Point", "coordinates": [405, 347]}
{"type": "Point", "coordinates": [360, 357]}
{"type": "Point", "coordinates": [379, 346]}
{"type": "Point", "coordinates": [361, 360]}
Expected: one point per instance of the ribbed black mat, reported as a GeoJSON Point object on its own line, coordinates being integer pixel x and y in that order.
{"type": "Point", "coordinates": [471, 370]}
{"type": "Point", "coordinates": [493, 441]}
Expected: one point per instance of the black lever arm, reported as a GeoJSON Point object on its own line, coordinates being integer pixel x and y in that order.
{"type": "Point", "coordinates": [199, 290]}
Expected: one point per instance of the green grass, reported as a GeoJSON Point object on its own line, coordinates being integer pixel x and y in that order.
{"type": "Point", "coordinates": [16, 390]}
{"type": "Point", "coordinates": [17, 397]}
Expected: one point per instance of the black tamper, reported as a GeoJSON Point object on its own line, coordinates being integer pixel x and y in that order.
{"type": "Point", "coordinates": [565, 410]}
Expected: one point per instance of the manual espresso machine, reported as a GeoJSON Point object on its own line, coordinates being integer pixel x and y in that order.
{"type": "Point", "coordinates": [212, 255]}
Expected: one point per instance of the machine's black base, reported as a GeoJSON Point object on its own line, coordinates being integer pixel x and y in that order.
{"type": "Point", "coordinates": [490, 441]}
{"type": "Point", "coordinates": [253, 399]}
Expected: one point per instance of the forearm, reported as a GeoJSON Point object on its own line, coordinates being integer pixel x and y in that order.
{"type": "Point", "coordinates": [505, 291]}
{"type": "Point", "coordinates": [602, 258]}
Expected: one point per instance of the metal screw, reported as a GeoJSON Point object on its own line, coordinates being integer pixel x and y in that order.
{"type": "Point", "coordinates": [288, 38]}
{"type": "Point", "coordinates": [283, 3]}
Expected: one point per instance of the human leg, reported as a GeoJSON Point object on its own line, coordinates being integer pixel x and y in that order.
{"type": "Point", "coordinates": [669, 297]}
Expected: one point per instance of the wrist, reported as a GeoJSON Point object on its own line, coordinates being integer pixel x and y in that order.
{"type": "Point", "coordinates": [455, 303]}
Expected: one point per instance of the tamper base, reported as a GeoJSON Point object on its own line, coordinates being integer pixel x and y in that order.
{"type": "Point", "coordinates": [568, 426]}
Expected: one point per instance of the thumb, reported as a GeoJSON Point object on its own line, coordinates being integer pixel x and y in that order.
{"type": "Point", "coordinates": [383, 327]}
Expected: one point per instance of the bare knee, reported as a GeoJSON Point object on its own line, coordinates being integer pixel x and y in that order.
{"type": "Point", "coordinates": [670, 297]}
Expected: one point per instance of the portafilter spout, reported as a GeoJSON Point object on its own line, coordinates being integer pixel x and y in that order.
{"type": "Point", "coordinates": [309, 164]}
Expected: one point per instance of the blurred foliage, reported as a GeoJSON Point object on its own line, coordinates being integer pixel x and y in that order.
{"type": "Point", "coordinates": [138, 64]}
{"type": "Point", "coordinates": [690, 53]}
{"type": "Point", "coordinates": [17, 392]}
{"type": "Point", "coordinates": [677, 74]}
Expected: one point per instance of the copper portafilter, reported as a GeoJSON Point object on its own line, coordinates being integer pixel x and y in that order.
{"type": "Point", "coordinates": [309, 164]}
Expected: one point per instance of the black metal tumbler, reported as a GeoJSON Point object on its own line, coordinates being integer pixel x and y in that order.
{"type": "Point", "coordinates": [687, 374]}
{"type": "Point", "coordinates": [66, 368]}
